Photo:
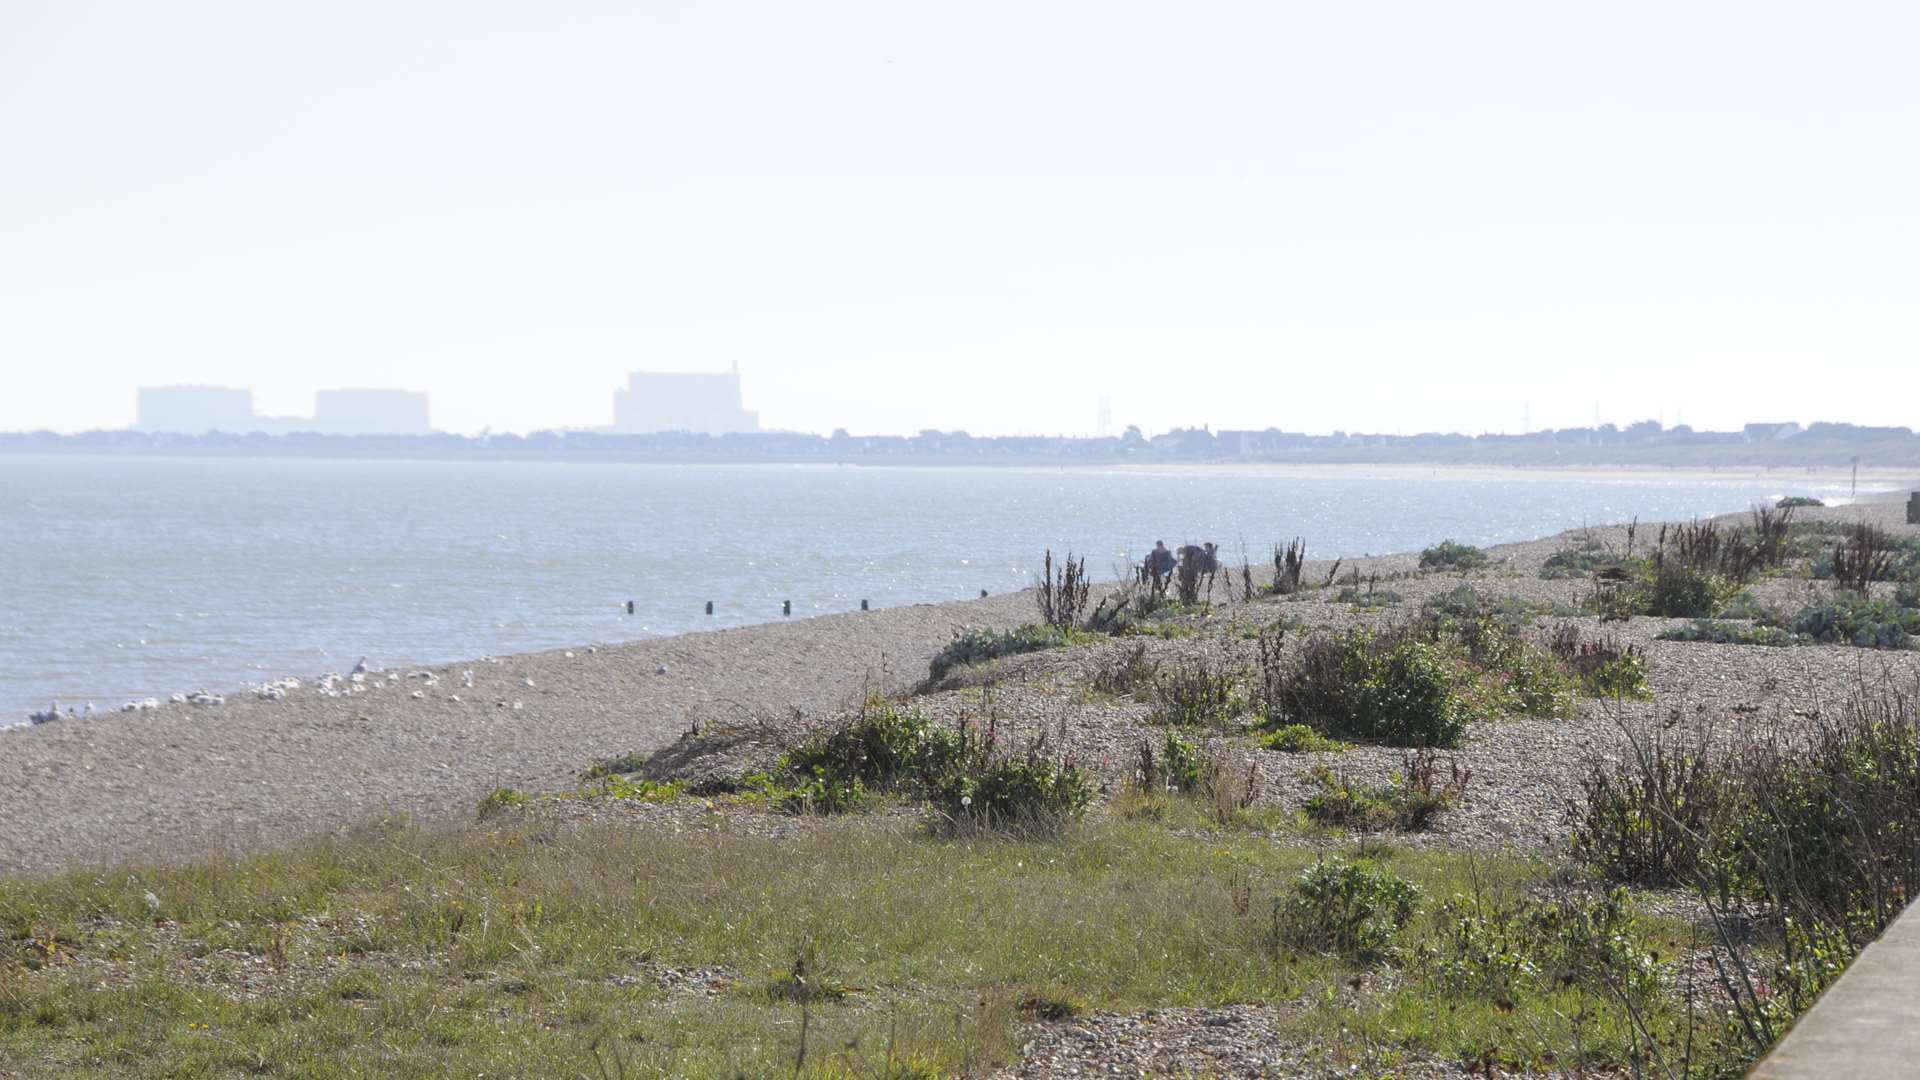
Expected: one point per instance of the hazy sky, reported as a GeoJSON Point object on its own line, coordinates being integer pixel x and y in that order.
{"type": "Point", "coordinates": [987, 215]}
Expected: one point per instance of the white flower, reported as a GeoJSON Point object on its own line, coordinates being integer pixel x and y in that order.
{"type": "Point", "coordinates": [966, 800]}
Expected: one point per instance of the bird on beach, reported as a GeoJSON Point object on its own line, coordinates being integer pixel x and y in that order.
{"type": "Point", "coordinates": [359, 668]}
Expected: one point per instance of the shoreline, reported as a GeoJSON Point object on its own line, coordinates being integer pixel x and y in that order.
{"type": "Point", "coordinates": [184, 781]}
{"type": "Point", "coordinates": [108, 688]}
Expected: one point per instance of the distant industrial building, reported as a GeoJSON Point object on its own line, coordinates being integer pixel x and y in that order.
{"type": "Point", "coordinates": [198, 410]}
{"type": "Point", "coordinates": [194, 410]}
{"type": "Point", "coordinates": [678, 401]}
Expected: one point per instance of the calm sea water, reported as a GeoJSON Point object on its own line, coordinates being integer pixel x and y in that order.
{"type": "Point", "coordinates": [122, 578]}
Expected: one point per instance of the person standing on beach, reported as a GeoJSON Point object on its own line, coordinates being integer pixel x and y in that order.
{"type": "Point", "coordinates": [1159, 567]}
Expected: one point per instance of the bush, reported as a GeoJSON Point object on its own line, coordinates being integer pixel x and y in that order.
{"type": "Point", "coordinates": [1354, 909]}
{"type": "Point", "coordinates": [1385, 686]}
{"type": "Point", "coordinates": [881, 751]}
{"type": "Point", "coordinates": [975, 646]}
{"type": "Point", "coordinates": [500, 800]}
{"type": "Point", "coordinates": [1197, 694]}
{"type": "Point", "coordinates": [1602, 666]}
{"type": "Point", "coordinates": [1583, 939]}
{"type": "Point", "coordinates": [1451, 555]}
{"type": "Point", "coordinates": [1504, 673]}
{"type": "Point", "coordinates": [1578, 562]}
{"type": "Point", "coordinates": [1644, 816]}
{"type": "Point", "coordinates": [1408, 803]}
{"type": "Point", "coordinates": [1680, 590]}
{"type": "Point", "coordinates": [1853, 619]}
{"type": "Point", "coordinates": [1176, 767]}
{"type": "Point", "coordinates": [1032, 793]}
{"type": "Point", "coordinates": [1793, 502]}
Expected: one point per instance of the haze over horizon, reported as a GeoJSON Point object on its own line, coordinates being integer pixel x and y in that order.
{"type": "Point", "coordinates": [1384, 217]}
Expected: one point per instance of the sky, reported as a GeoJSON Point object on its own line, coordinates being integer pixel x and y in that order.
{"type": "Point", "coordinates": [988, 216]}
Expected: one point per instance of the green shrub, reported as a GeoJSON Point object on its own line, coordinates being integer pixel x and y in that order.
{"type": "Point", "coordinates": [1498, 671]}
{"type": "Point", "coordinates": [1721, 632]}
{"type": "Point", "coordinates": [1586, 560]}
{"type": "Point", "coordinates": [975, 646]}
{"type": "Point", "coordinates": [1645, 814]}
{"type": "Point", "coordinates": [1033, 793]}
{"type": "Point", "coordinates": [1386, 686]}
{"type": "Point", "coordinates": [1355, 909]}
{"type": "Point", "coordinates": [1679, 590]}
{"type": "Point", "coordinates": [1180, 759]}
{"type": "Point", "coordinates": [1299, 739]}
{"type": "Point", "coordinates": [1501, 951]}
{"type": "Point", "coordinates": [1853, 619]}
{"type": "Point", "coordinates": [500, 800]}
{"type": "Point", "coordinates": [1451, 555]}
{"type": "Point", "coordinates": [883, 750]}
{"type": "Point", "coordinates": [1794, 502]}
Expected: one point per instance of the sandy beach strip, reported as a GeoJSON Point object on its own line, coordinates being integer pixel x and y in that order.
{"type": "Point", "coordinates": [186, 781]}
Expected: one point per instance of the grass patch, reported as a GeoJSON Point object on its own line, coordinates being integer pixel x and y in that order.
{"type": "Point", "coordinates": [867, 949]}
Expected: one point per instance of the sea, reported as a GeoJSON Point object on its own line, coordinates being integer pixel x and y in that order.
{"type": "Point", "coordinates": [123, 578]}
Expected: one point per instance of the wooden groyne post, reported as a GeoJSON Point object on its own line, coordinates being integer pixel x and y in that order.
{"type": "Point", "coordinates": [1913, 508]}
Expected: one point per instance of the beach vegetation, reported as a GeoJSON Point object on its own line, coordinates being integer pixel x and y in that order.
{"type": "Point", "coordinates": [1062, 593]}
{"type": "Point", "coordinates": [1587, 558]}
{"type": "Point", "coordinates": [1368, 685]}
{"type": "Point", "coordinates": [1354, 909]}
{"type": "Point", "coordinates": [977, 646]}
{"type": "Point", "coordinates": [1199, 692]}
{"type": "Point", "coordinates": [1794, 502]}
{"type": "Point", "coordinates": [963, 774]}
{"type": "Point", "coordinates": [500, 800]}
{"type": "Point", "coordinates": [1463, 604]}
{"type": "Point", "coordinates": [1369, 598]}
{"type": "Point", "coordinates": [1809, 832]}
{"type": "Point", "coordinates": [1408, 802]}
{"type": "Point", "coordinates": [1129, 674]}
{"type": "Point", "coordinates": [1452, 555]}
{"type": "Point", "coordinates": [1856, 619]}
{"type": "Point", "coordinates": [1299, 739]}
{"type": "Point", "coordinates": [847, 948]}
{"type": "Point", "coordinates": [1288, 563]}
{"type": "Point", "coordinates": [1728, 632]}
{"type": "Point", "coordinates": [1601, 665]}
{"type": "Point", "coordinates": [884, 750]}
